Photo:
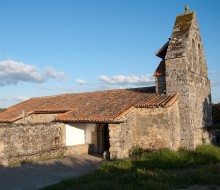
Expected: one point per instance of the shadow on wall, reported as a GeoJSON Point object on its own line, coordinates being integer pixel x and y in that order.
{"type": "Point", "coordinates": [36, 175]}
{"type": "Point", "coordinates": [207, 112]}
{"type": "Point", "coordinates": [208, 129]}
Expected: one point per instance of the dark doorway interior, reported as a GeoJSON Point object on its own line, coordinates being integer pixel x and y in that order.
{"type": "Point", "coordinates": [103, 143]}
{"type": "Point", "coordinates": [106, 138]}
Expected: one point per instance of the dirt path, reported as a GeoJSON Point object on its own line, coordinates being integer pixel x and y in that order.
{"type": "Point", "coordinates": [36, 175]}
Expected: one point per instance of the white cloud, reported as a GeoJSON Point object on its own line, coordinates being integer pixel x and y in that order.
{"type": "Point", "coordinates": [80, 81]}
{"type": "Point", "coordinates": [13, 72]}
{"type": "Point", "coordinates": [50, 72]}
{"type": "Point", "coordinates": [19, 99]}
{"type": "Point", "coordinates": [127, 80]}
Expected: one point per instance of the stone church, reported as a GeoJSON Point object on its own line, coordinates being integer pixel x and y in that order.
{"type": "Point", "coordinates": [173, 114]}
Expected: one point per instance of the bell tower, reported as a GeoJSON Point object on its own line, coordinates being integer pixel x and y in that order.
{"type": "Point", "coordinates": [184, 70]}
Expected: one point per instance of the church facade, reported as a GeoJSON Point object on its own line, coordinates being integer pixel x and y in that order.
{"type": "Point", "coordinates": [174, 114]}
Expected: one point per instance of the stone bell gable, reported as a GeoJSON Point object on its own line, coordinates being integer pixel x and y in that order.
{"type": "Point", "coordinates": [184, 70]}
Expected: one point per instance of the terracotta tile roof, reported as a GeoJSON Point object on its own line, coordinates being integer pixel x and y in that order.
{"type": "Point", "coordinates": [160, 71]}
{"type": "Point", "coordinates": [100, 106]}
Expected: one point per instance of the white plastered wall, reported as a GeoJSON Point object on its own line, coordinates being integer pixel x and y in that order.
{"type": "Point", "coordinates": [79, 133]}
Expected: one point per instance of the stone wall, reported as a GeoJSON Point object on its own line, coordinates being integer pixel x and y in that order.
{"type": "Point", "coordinates": [175, 126]}
{"type": "Point", "coordinates": [194, 102]}
{"type": "Point", "coordinates": [122, 136]}
{"type": "Point", "coordinates": [177, 81]}
{"type": "Point", "coordinates": [27, 142]}
{"type": "Point", "coordinates": [76, 149]}
{"type": "Point", "coordinates": [37, 118]}
{"type": "Point", "coordinates": [199, 87]}
{"type": "Point", "coordinates": [48, 154]}
{"type": "Point", "coordinates": [186, 73]}
{"type": "Point", "coordinates": [21, 140]}
{"type": "Point", "coordinates": [158, 128]}
{"type": "Point", "coordinates": [147, 128]}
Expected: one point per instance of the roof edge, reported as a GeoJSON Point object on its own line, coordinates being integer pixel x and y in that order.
{"type": "Point", "coordinates": [88, 121]}
{"type": "Point", "coordinates": [124, 113]}
{"type": "Point", "coordinates": [173, 100]}
{"type": "Point", "coordinates": [161, 105]}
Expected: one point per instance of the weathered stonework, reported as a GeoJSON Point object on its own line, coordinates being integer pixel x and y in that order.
{"type": "Point", "coordinates": [76, 150]}
{"type": "Point", "coordinates": [122, 136]}
{"type": "Point", "coordinates": [21, 140]}
{"type": "Point", "coordinates": [37, 118]}
{"type": "Point", "coordinates": [147, 128]}
{"type": "Point", "coordinates": [158, 128]}
{"type": "Point", "coordinates": [26, 142]}
{"type": "Point", "coordinates": [186, 73]}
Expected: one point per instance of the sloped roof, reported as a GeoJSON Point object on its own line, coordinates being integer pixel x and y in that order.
{"type": "Point", "coordinates": [160, 71]}
{"type": "Point", "coordinates": [162, 51]}
{"type": "Point", "coordinates": [100, 106]}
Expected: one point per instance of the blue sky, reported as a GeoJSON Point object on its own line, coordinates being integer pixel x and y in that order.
{"type": "Point", "coordinates": [50, 47]}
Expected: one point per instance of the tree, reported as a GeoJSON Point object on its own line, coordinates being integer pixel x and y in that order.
{"type": "Point", "coordinates": [216, 115]}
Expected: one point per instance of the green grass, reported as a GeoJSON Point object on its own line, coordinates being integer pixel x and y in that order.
{"type": "Point", "coordinates": [163, 169]}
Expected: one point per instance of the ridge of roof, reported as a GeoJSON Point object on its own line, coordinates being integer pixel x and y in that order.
{"type": "Point", "coordinates": [99, 106]}
{"type": "Point", "coordinates": [161, 53]}
{"type": "Point", "coordinates": [91, 92]}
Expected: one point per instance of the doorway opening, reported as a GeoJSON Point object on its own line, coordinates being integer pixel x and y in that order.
{"type": "Point", "coordinates": [103, 143]}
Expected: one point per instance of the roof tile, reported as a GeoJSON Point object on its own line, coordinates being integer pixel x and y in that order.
{"type": "Point", "coordinates": [100, 106]}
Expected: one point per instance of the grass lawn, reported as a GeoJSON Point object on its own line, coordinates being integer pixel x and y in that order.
{"type": "Point", "coordinates": [162, 169]}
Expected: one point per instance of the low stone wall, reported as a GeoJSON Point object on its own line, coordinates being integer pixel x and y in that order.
{"type": "Point", "coordinates": [76, 149]}
{"type": "Point", "coordinates": [30, 140]}
{"type": "Point", "coordinates": [43, 155]}
{"type": "Point", "coordinates": [48, 154]}
{"type": "Point", "coordinates": [27, 142]}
